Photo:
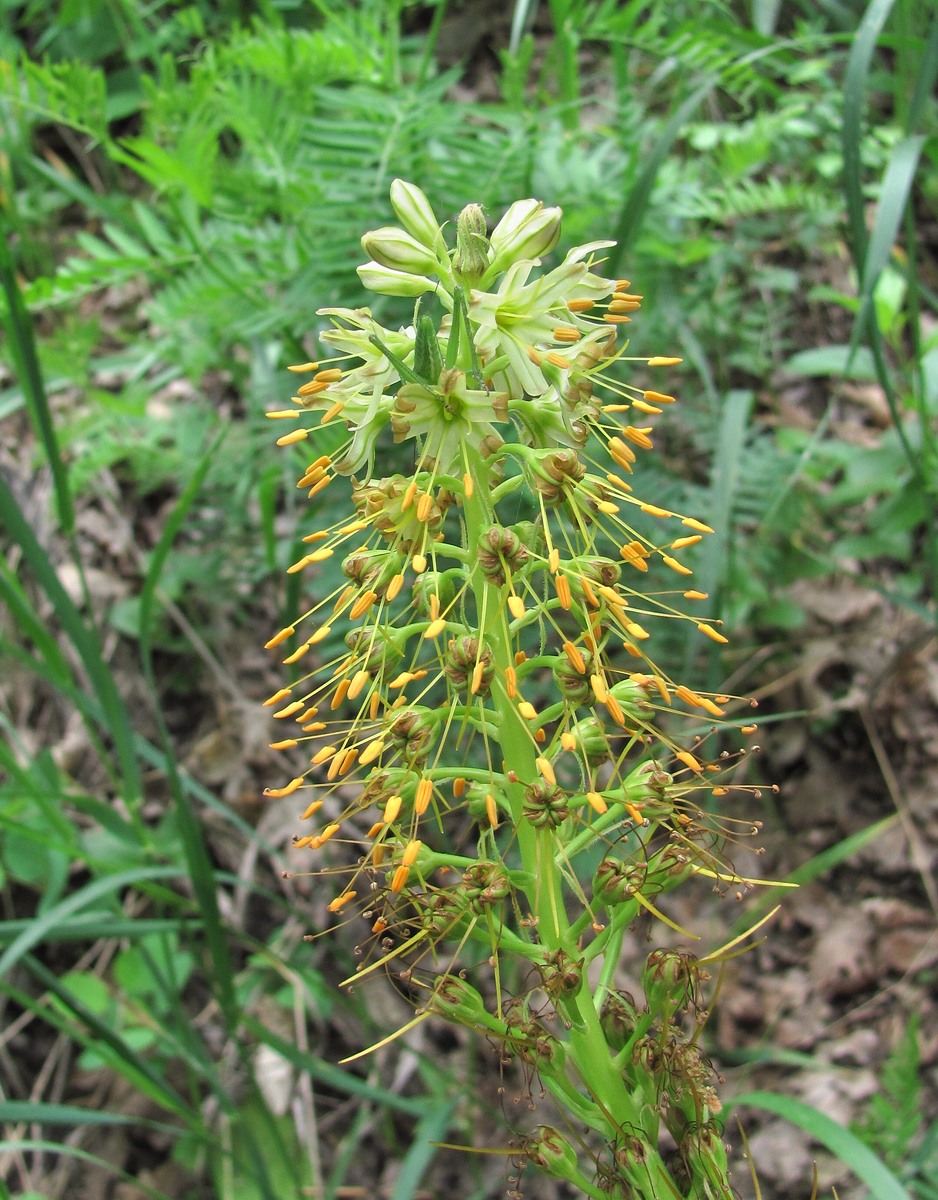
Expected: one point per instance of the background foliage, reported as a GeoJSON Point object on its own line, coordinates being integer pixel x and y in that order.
{"type": "Point", "coordinates": [182, 186]}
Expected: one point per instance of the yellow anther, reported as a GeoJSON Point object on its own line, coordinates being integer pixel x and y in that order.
{"type": "Point", "coordinates": [577, 661]}
{"type": "Point", "coordinates": [712, 634]}
{"type": "Point", "coordinates": [289, 710]}
{"type": "Point", "coordinates": [567, 740]}
{"type": "Point", "coordinates": [288, 790]}
{"type": "Point", "coordinates": [435, 628]}
{"type": "Point", "coordinates": [286, 744]}
{"type": "Point", "coordinates": [312, 808]}
{"type": "Point", "coordinates": [598, 684]}
{"type": "Point", "coordinates": [659, 360]}
{"type": "Point", "coordinates": [422, 796]}
{"type": "Point", "coordinates": [654, 511]}
{"type": "Point", "coordinates": [621, 453]}
{"type": "Point", "coordinates": [331, 413]}
{"type": "Point", "coordinates": [553, 560]}
{"type": "Point", "coordinates": [558, 360]}
{"type": "Point", "coordinates": [327, 833]}
{"type": "Point", "coordinates": [596, 802]}
{"type": "Point", "coordinates": [359, 679]}
{"type": "Point", "coordinates": [322, 632]}
{"type": "Point", "coordinates": [491, 810]}
{"type": "Point", "coordinates": [340, 693]}
{"type": "Point", "coordinates": [562, 584]}
{"type": "Point", "coordinates": [304, 368]}
{"type": "Point", "coordinates": [527, 710]}
{"type": "Point", "coordinates": [397, 582]}
{"type": "Point", "coordinates": [588, 592]}
{"type": "Point", "coordinates": [516, 606]}
{"type": "Point", "coordinates": [297, 654]}
{"type": "Point", "coordinates": [690, 540]}
{"type": "Point", "coordinates": [477, 672]}
{"type": "Point", "coordinates": [511, 682]}
{"type": "Point", "coordinates": [276, 697]}
{"type": "Point", "coordinates": [419, 563]}
{"type": "Point", "coordinates": [371, 751]}
{"type": "Point", "coordinates": [688, 759]}
{"type": "Point", "coordinates": [639, 436]}
{"type": "Point", "coordinates": [675, 565]}
{"type": "Point", "coordinates": [662, 688]}
{"type": "Point", "coordinates": [692, 523]}
{"type": "Point", "coordinates": [340, 901]}
{"type": "Point", "coordinates": [546, 770]}
{"type": "Point", "coordinates": [392, 809]}
{"type": "Point", "coordinates": [317, 487]}
{"type": "Point", "coordinates": [295, 435]}
{"type": "Point", "coordinates": [312, 388]}
{"type": "Point", "coordinates": [633, 629]}
{"type": "Point", "coordinates": [277, 639]}
{"type": "Point", "coordinates": [362, 604]}
{"type": "Point", "coordinates": [411, 850]}
{"type": "Point", "coordinates": [400, 879]}
{"type": "Point", "coordinates": [323, 755]}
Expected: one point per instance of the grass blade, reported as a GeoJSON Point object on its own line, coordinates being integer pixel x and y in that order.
{"type": "Point", "coordinates": [199, 864]}
{"type": "Point", "coordinates": [26, 361]}
{"type": "Point", "coordinates": [113, 710]}
{"type": "Point", "coordinates": [46, 923]}
{"type": "Point", "coordinates": [855, 82]}
{"type": "Point", "coordinates": [840, 1141]}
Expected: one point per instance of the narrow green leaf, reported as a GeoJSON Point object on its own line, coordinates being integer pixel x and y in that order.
{"type": "Point", "coordinates": [48, 922]}
{"type": "Point", "coordinates": [26, 360]}
{"type": "Point", "coordinates": [432, 1127]}
{"type": "Point", "coordinates": [855, 84]}
{"type": "Point", "coordinates": [114, 712]}
{"type": "Point", "coordinates": [845, 1145]}
{"type": "Point", "coordinates": [198, 861]}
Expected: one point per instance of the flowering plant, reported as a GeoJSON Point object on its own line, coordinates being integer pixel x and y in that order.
{"type": "Point", "coordinates": [496, 737]}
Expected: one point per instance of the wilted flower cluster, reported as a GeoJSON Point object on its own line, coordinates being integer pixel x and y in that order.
{"type": "Point", "coordinates": [485, 720]}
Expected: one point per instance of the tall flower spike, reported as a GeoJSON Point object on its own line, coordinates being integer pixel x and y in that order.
{"type": "Point", "coordinates": [496, 715]}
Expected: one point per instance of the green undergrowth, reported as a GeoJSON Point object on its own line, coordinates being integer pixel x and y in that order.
{"type": "Point", "coordinates": [181, 187]}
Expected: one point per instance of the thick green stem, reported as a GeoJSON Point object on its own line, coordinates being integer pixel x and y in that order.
{"type": "Point", "coordinates": [615, 1109]}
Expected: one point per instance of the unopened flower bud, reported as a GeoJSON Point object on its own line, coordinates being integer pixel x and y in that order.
{"type": "Point", "coordinates": [392, 247]}
{"type": "Point", "coordinates": [527, 230]}
{"type": "Point", "coordinates": [472, 245]}
{"type": "Point", "coordinates": [388, 282]}
{"type": "Point", "coordinates": [414, 212]}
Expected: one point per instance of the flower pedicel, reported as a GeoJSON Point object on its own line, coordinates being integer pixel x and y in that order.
{"type": "Point", "coordinates": [494, 737]}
